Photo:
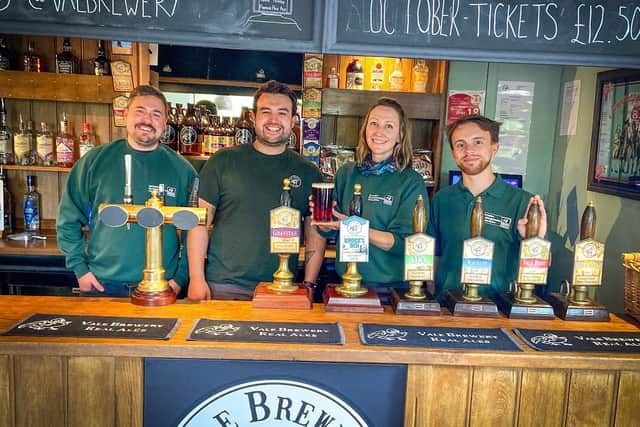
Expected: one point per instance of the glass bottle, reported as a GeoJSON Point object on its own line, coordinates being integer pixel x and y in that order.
{"type": "Point", "coordinates": [396, 79]}
{"type": "Point", "coordinates": [377, 74]}
{"type": "Point", "coordinates": [209, 136]}
{"type": "Point", "coordinates": [31, 60]}
{"type": "Point", "coordinates": [333, 79]}
{"type": "Point", "coordinates": [419, 77]}
{"type": "Point", "coordinates": [189, 133]}
{"type": "Point", "coordinates": [65, 60]}
{"type": "Point", "coordinates": [65, 145]}
{"type": "Point", "coordinates": [22, 144]}
{"type": "Point", "coordinates": [87, 141]}
{"type": "Point", "coordinates": [6, 206]}
{"type": "Point", "coordinates": [218, 135]}
{"type": "Point", "coordinates": [101, 63]}
{"type": "Point", "coordinates": [355, 75]}
{"type": "Point", "coordinates": [5, 55]}
{"type": "Point", "coordinates": [244, 128]}
{"type": "Point", "coordinates": [31, 207]}
{"type": "Point", "coordinates": [229, 133]}
{"type": "Point", "coordinates": [170, 137]}
{"type": "Point", "coordinates": [44, 146]}
{"type": "Point", "coordinates": [6, 140]}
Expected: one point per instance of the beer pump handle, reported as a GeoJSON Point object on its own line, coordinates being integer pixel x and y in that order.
{"type": "Point", "coordinates": [533, 220]}
{"type": "Point", "coordinates": [419, 216]}
{"type": "Point", "coordinates": [193, 196]}
{"type": "Point", "coordinates": [285, 196]}
{"type": "Point", "coordinates": [477, 218]}
{"type": "Point", "coordinates": [128, 194]}
{"type": "Point", "coordinates": [588, 223]}
{"type": "Point", "coordinates": [355, 208]}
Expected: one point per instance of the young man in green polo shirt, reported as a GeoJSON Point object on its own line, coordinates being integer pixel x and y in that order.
{"type": "Point", "coordinates": [474, 142]}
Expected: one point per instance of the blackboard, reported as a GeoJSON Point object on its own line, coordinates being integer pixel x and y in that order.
{"type": "Point", "coordinates": [586, 32]}
{"type": "Point", "coordinates": [279, 25]}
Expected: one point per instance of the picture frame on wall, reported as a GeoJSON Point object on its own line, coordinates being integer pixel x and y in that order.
{"type": "Point", "coordinates": [120, 47]}
{"type": "Point", "coordinates": [614, 161]}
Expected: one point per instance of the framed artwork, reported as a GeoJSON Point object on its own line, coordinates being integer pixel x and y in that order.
{"type": "Point", "coordinates": [614, 162]}
{"type": "Point", "coordinates": [119, 47]}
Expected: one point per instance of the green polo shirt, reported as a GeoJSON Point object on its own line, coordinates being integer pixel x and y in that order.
{"type": "Point", "coordinates": [450, 221]}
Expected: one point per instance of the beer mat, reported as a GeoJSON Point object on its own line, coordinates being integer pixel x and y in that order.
{"type": "Point", "coordinates": [580, 341]}
{"type": "Point", "coordinates": [266, 332]}
{"type": "Point", "coordinates": [450, 338]}
{"type": "Point", "coordinates": [76, 326]}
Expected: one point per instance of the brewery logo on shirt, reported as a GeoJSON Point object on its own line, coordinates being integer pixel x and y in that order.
{"type": "Point", "coordinates": [498, 220]}
{"type": "Point", "coordinates": [295, 181]}
{"type": "Point", "coordinates": [263, 401]}
{"type": "Point", "coordinates": [387, 199]}
{"type": "Point", "coordinates": [160, 188]}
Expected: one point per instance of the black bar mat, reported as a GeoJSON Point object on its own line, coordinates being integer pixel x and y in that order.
{"type": "Point", "coordinates": [266, 332]}
{"type": "Point", "coordinates": [451, 338]}
{"type": "Point", "coordinates": [66, 325]}
{"type": "Point", "coordinates": [579, 341]}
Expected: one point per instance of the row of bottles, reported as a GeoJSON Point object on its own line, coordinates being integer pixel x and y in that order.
{"type": "Point", "coordinates": [25, 147]}
{"type": "Point", "coordinates": [200, 131]}
{"type": "Point", "coordinates": [31, 207]}
{"type": "Point", "coordinates": [66, 62]}
{"type": "Point", "coordinates": [378, 77]}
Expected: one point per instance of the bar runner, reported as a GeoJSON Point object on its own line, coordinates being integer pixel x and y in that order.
{"type": "Point", "coordinates": [495, 339]}
{"type": "Point", "coordinates": [79, 326]}
{"type": "Point", "coordinates": [579, 341]}
{"type": "Point", "coordinates": [266, 332]}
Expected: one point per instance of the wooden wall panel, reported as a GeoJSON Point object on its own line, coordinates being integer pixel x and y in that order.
{"type": "Point", "coordinates": [40, 391]}
{"type": "Point", "coordinates": [328, 129]}
{"type": "Point", "coordinates": [628, 403]}
{"type": "Point", "coordinates": [347, 128]}
{"type": "Point", "coordinates": [542, 398]}
{"type": "Point", "coordinates": [493, 397]}
{"type": "Point", "coordinates": [98, 116]}
{"type": "Point", "coordinates": [44, 111]}
{"type": "Point", "coordinates": [6, 391]}
{"type": "Point", "coordinates": [92, 391]}
{"type": "Point", "coordinates": [129, 374]}
{"type": "Point", "coordinates": [590, 400]}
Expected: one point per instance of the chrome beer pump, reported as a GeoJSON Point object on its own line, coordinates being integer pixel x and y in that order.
{"type": "Point", "coordinates": [154, 289]}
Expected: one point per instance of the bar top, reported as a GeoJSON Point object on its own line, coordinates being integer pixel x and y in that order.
{"type": "Point", "coordinates": [47, 247]}
{"type": "Point", "coordinates": [15, 308]}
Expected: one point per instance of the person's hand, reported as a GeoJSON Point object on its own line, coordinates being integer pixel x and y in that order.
{"type": "Point", "coordinates": [175, 287]}
{"type": "Point", "coordinates": [199, 290]}
{"type": "Point", "coordinates": [88, 282]}
{"type": "Point", "coordinates": [522, 222]}
{"type": "Point", "coordinates": [324, 225]}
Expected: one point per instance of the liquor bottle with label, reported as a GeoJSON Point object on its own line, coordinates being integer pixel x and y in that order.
{"type": "Point", "coordinates": [355, 75]}
{"type": "Point", "coordinates": [65, 61]}
{"type": "Point", "coordinates": [5, 55]}
{"type": "Point", "coordinates": [333, 79]}
{"type": "Point", "coordinates": [44, 146]}
{"type": "Point", "coordinates": [419, 76]}
{"type": "Point", "coordinates": [23, 144]}
{"type": "Point", "coordinates": [31, 207]}
{"type": "Point", "coordinates": [6, 140]}
{"type": "Point", "coordinates": [65, 145]}
{"type": "Point", "coordinates": [203, 123]}
{"type": "Point", "coordinates": [31, 60]}
{"type": "Point", "coordinates": [6, 206]}
{"type": "Point", "coordinates": [209, 139]}
{"type": "Point", "coordinates": [244, 128]}
{"type": "Point", "coordinates": [396, 79]}
{"type": "Point", "coordinates": [377, 74]}
{"type": "Point", "coordinates": [101, 63]}
{"type": "Point", "coordinates": [189, 129]}
{"type": "Point", "coordinates": [170, 137]}
{"type": "Point", "coordinates": [229, 135]}
{"type": "Point", "coordinates": [87, 141]}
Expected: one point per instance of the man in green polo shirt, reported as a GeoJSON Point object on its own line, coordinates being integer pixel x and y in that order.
{"type": "Point", "coordinates": [474, 142]}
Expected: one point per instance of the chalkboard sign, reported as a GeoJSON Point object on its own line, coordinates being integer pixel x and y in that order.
{"type": "Point", "coordinates": [279, 25]}
{"type": "Point", "coordinates": [586, 32]}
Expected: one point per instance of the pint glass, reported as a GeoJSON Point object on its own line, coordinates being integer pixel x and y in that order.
{"type": "Point", "coordinates": [322, 201]}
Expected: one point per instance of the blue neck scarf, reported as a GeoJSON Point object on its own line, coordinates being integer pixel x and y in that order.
{"type": "Point", "coordinates": [369, 167]}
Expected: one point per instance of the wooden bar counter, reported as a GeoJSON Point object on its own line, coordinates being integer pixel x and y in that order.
{"type": "Point", "coordinates": [58, 381]}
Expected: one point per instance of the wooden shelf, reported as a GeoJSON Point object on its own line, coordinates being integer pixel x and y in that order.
{"type": "Point", "coordinates": [35, 168]}
{"type": "Point", "coordinates": [206, 82]}
{"type": "Point", "coordinates": [57, 87]}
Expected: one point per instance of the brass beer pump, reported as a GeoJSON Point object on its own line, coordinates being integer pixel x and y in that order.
{"type": "Point", "coordinates": [283, 277]}
{"type": "Point", "coordinates": [419, 219]}
{"type": "Point", "coordinates": [352, 279]}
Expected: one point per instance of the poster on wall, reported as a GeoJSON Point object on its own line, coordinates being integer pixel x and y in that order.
{"type": "Point", "coordinates": [514, 103]}
{"type": "Point", "coordinates": [464, 103]}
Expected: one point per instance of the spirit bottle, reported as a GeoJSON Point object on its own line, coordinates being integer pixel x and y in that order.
{"type": "Point", "coordinates": [22, 144]}
{"type": "Point", "coordinates": [31, 207]}
{"type": "Point", "coordinates": [87, 141]}
{"type": "Point", "coordinates": [189, 133]}
{"type": "Point", "coordinates": [65, 145]}
{"type": "Point", "coordinates": [6, 206]}
{"type": "Point", "coordinates": [333, 79]}
{"type": "Point", "coordinates": [6, 142]}
{"type": "Point", "coordinates": [229, 135]}
{"type": "Point", "coordinates": [420, 75]}
{"type": "Point", "coordinates": [5, 55]}
{"type": "Point", "coordinates": [31, 60]}
{"type": "Point", "coordinates": [355, 75]}
{"type": "Point", "coordinates": [396, 79]}
{"type": "Point", "coordinates": [244, 129]}
{"type": "Point", "coordinates": [377, 74]}
{"type": "Point", "coordinates": [101, 63]}
{"type": "Point", "coordinates": [65, 61]}
{"type": "Point", "coordinates": [44, 146]}
{"type": "Point", "coordinates": [170, 137]}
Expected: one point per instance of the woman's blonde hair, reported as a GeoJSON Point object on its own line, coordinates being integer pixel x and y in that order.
{"type": "Point", "coordinates": [402, 150]}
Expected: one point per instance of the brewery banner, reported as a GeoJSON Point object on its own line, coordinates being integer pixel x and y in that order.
{"type": "Point", "coordinates": [80, 326]}
{"type": "Point", "coordinates": [580, 341]}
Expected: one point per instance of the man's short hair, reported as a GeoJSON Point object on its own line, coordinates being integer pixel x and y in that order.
{"type": "Point", "coordinates": [484, 123]}
{"type": "Point", "coordinates": [146, 90]}
{"type": "Point", "coordinates": [277, 88]}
